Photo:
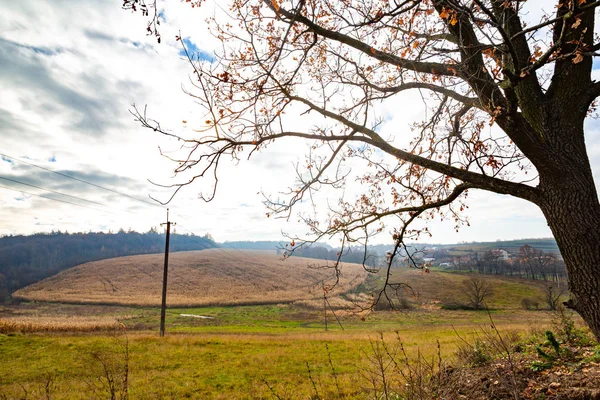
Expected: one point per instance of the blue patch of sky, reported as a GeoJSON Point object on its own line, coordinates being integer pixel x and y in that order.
{"type": "Point", "coordinates": [595, 64]}
{"type": "Point", "coordinates": [161, 16]}
{"type": "Point", "coordinates": [43, 50]}
{"type": "Point", "coordinates": [52, 159]}
{"type": "Point", "coordinates": [39, 50]}
{"type": "Point", "coordinates": [8, 160]}
{"type": "Point", "coordinates": [194, 51]}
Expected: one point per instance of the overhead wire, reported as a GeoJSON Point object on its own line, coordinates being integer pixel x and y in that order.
{"type": "Point", "coordinates": [81, 180]}
{"type": "Point", "coordinates": [51, 191]}
{"type": "Point", "coordinates": [51, 198]}
{"type": "Point", "coordinates": [226, 254]}
{"type": "Point", "coordinates": [245, 253]}
{"type": "Point", "coordinates": [203, 246]}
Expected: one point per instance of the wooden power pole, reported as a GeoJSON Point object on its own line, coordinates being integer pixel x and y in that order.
{"type": "Point", "coordinates": [324, 304]}
{"type": "Point", "coordinates": [163, 308]}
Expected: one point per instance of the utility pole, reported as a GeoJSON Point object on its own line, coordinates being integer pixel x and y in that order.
{"type": "Point", "coordinates": [163, 308]}
{"type": "Point", "coordinates": [324, 304]}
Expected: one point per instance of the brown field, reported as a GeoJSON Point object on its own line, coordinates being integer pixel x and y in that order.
{"type": "Point", "coordinates": [56, 317]}
{"type": "Point", "coordinates": [196, 278]}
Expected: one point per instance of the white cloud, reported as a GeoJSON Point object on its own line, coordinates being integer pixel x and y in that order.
{"type": "Point", "coordinates": [69, 71]}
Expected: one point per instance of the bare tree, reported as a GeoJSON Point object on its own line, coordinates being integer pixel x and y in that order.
{"type": "Point", "coordinates": [477, 291]}
{"type": "Point", "coordinates": [535, 261]}
{"type": "Point", "coordinates": [474, 64]}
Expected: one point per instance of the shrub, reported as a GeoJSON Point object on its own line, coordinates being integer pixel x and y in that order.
{"type": "Point", "coordinates": [398, 303]}
{"type": "Point", "coordinates": [475, 354]}
{"type": "Point", "coordinates": [553, 297]}
{"type": "Point", "coordinates": [455, 306]}
{"type": "Point", "coordinates": [530, 304]}
{"type": "Point", "coordinates": [110, 369]}
{"type": "Point", "coordinates": [564, 325]}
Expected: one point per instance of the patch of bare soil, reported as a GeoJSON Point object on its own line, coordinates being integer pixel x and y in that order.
{"type": "Point", "coordinates": [575, 374]}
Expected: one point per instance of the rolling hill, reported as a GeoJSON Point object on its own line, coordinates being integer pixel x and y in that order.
{"type": "Point", "coordinates": [547, 245]}
{"type": "Point", "coordinates": [28, 259]}
{"type": "Point", "coordinates": [442, 289]}
{"type": "Point", "coordinates": [196, 278]}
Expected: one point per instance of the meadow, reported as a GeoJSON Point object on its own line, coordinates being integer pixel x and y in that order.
{"type": "Point", "coordinates": [259, 351]}
{"type": "Point", "coordinates": [243, 352]}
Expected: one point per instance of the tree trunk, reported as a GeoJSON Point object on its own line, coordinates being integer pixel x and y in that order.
{"type": "Point", "coordinates": [570, 203]}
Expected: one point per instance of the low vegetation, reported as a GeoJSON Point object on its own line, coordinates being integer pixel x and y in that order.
{"type": "Point", "coordinates": [277, 347]}
{"type": "Point", "coordinates": [279, 352]}
{"type": "Point", "coordinates": [452, 290]}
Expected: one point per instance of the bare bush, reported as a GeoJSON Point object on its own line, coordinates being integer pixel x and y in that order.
{"type": "Point", "coordinates": [530, 304]}
{"type": "Point", "coordinates": [398, 303]}
{"type": "Point", "coordinates": [553, 297]}
{"type": "Point", "coordinates": [489, 344]}
{"type": "Point", "coordinates": [477, 291]}
{"type": "Point", "coordinates": [392, 375]}
{"type": "Point", "coordinates": [110, 369]}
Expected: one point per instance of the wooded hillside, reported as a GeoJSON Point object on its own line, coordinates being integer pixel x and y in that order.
{"type": "Point", "coordinates": [28, 259]}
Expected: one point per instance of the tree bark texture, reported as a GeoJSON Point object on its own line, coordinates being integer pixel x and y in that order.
{"type": "Point", "coordinates": [569, 201]}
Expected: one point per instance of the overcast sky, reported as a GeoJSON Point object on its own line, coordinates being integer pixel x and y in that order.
{"type": "Point", "coordinates": [70, 71]}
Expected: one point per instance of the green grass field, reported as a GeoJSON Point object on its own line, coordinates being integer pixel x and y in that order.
{"type": "Point", "coordinates": [73, 351]}
{"type": "Point", "coordinates": [244, 352]}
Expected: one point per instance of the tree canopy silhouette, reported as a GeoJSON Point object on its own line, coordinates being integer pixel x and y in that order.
{"type": "Point", "coordinates": [504, 96]}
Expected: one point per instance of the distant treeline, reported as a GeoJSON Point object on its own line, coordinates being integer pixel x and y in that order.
{"type": "Point", "coordinates": [28, 259]}
{"type": "Point", "coordinates": [528, 262]}
{"type": "Point", "coordinates": [547, 245]}
{"type": "Point", "coordinates": [349, 255]}
{"type": "Point", "coordinates": [253, 245]}
{"type": "Point", "coordinates": [268, 245]}
{"type": "Point", "coordinates": [321, 251]}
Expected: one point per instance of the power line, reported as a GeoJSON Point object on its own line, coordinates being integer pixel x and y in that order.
{"type": "Point", "coordinates": [226, 254]}
{"type": "Point", "coordinates": [203, 246]}
{"type": "Point", "coordinates": [82, 199]}
{"type": "Point", "coordinates": [51, 198]}
{"type": "Point", "coordinates": [81, 180]}
{"type": "Point", "coordinates": [64, 194]}
{"type": "Point", "coordinates": [246, 254]}
{"type": "Point", "coordinates": [51, 191]}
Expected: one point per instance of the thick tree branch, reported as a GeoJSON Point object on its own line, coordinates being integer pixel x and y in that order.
{"type": "Point", "coordinates": [372, 138]}
{"type": "Point", "coordinates": [412, 65]}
